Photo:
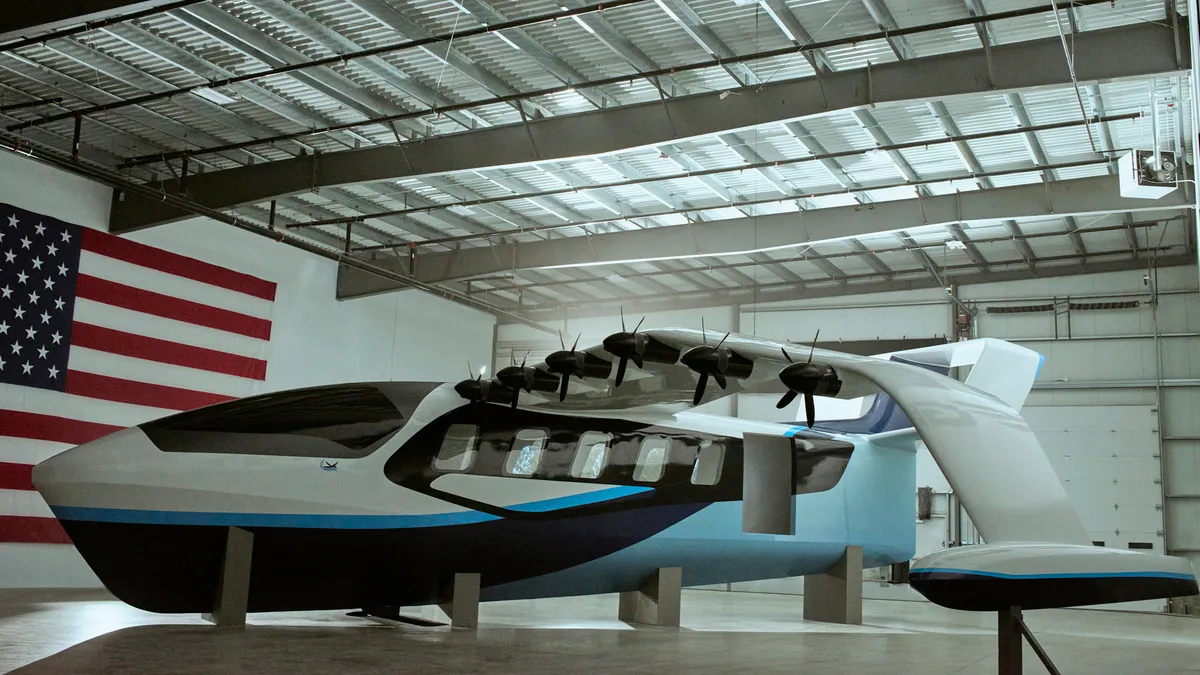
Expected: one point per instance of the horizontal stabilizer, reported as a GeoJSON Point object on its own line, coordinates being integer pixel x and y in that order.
{"type": "Point", "coordinates": [995, 577]}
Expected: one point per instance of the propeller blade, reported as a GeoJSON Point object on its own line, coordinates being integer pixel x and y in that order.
{"type": "Point", "coordinates": [470, 369]}
{"type": "Point", "coordinates": [576, 343]}
{"type": "Point", "coordinates": [700, 389]}
{"type": "Point", "coordinates": [703, 332]}
{"type": "Point", "coordinates": [787, 399]}
{"type": "Point", "coordinates": [516, 396]}
{"type": "Point", "coordinates": [721, 342]}
{"type": "Point", "coordinates": [785, 355]}
{"type": "Point", "coordinates": [623, 319]}
{"type": "Point", "coordinates": [637, 360]}
{"type": "Point", "coordinates": [720, 378]}
{"type": "Point", "coordinates": [814, 345]}
{"type": "Point", "coordinates": [512, 357]}
{"type": "Point", "coordinates": [525, 360]}
{"type": "Point", "coordinates": [560, 340]}
{"type": "Point", "coordinates": [810, 410]}
{"type": "Point", "coordinates": [635, 328]}
{"type": "Point", "coordinates": [562, 387]}
{"type": "Point", "coordinates": [621, 365]}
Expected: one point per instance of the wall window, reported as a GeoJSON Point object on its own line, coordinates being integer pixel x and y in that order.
{"type": "Point", "coordinates": [591, 455]}
{"type": "Point", "coordinates": [652, 459]}
{"type": "Point", "coordinates": [526, 453]}
{"type": "Point", "coordinates": [458, 448]}
{"type": "Point", "coordinates": [708, 464]}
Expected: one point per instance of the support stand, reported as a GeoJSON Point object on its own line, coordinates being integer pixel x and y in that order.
{"type": "Point", "coordinates": [233, 586]}
{"type": "Point", "coordinates": [463, 608]}
{"type": "Point", "coordinates": [657, 603]}
{"type": "Point", "coordinates": [836, 595]}
{"type": "Point", "coordinates": [1010, 629]}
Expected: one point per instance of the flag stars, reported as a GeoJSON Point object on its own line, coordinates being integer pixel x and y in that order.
{"type": "Point", "coordinates": [6, 292]}
{"type": "Point", "coordinates": [19, 312]}
{"type": "Point", "coordinates": [52, 249]}
{"type": "Point", "coordinates": [37, 263]}
{"type": "Point", "coordinates": [42, 352]}
{"type": "Point", "coordinates": [34, 297]}
{"type": "Point", "coordinates": [45, 317]}
{"type": "Point", "coordinates": [2, 362]}
{"type": "Point", "coordinates": [49, 283]}
{"type": "Point", "coordinates": [40, 229]}
{"type": "Point", "coordinates": [66, 236]}
{"type": "Point", "coordinates": [25, 242]}
{"type": "Point", "coordinates": [62, 270]}
{"type": "Point", "coordinates": [12, 221]}
{"type": "Point", "coordinates": [16, 347]}
{"type": "Point", "coordinates": [3, 328]}
{"type": "Point", "coordinates": [58, 303]}
{"type": "Point", "coordinates": [30, 333]}
{"type": "Point", "coordinates": [26, 368]}
{"type": "Point", "coordinates": [9, 256]}
{"type": "Point", "coordinates": [53, 371]}
{"type": "Point", "coordinates": [56, 337]}
{"type": "Point", "coordinates": [22, 277]}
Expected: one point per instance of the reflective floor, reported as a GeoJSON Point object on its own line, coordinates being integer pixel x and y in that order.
{"type": "Point", "coordinates": [44, 632]}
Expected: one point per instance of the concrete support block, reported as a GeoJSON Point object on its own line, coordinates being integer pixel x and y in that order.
{"type": "Point", "coordinates": [836, 596]}
{"type": "Point", "coordinates": [233, 586]}
{"type": "Point", "coordinates": [463, 608]}
{"type": "Point", "coordinates": [657, 603]}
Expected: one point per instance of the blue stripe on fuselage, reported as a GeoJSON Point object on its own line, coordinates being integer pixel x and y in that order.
{"type": "Point", "coordinates": [584, 499]}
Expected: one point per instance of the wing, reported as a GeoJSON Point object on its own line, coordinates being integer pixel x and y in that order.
{"type": "Point", "coordinates": [989, 454]}
{"type": "Point", "coordinates": [668, 387]}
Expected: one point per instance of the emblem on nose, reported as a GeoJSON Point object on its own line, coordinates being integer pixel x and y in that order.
{"type": "Point", "coordinates": [326, 465]}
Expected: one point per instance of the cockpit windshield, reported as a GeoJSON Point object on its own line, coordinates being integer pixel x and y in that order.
{"type": "Point", "coordinates": [345, 420]}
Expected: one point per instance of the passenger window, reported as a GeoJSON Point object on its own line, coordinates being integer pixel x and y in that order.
{"type": "Point", "coordinates": [652, 459]}
{"type": "Point", "coordinates": [526, 453]}
{"type": "Point", "coordinates": [708, 464]}
{"type": "Point", "coordinates": [591, 455]}
{"type": "Point", "coordinates": [458, 448]}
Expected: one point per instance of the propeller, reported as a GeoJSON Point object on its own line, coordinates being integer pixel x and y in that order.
{"type": "Point", "coordinates": [525, 377]}
{"type": "Point", "coordinates": [567, 363]}
{"type": "Point", "coordinates": [810, 379]}
{"type": "Point", "coordinates": [477, 389]}
{"type": "Point", "coordinates": [627, 346]}
{"type": "Point", "coordinates": [716, 361]}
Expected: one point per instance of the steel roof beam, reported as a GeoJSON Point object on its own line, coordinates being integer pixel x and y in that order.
{"type": "Point", "coordinates": [21, 19]}
{"type": "Point", "coordinates": [612, 38]}
{"type": "Point", "coordinates": [869, 255]}
{"type": "Point", "coordinates": [881, 137]}
{"type": "Point", "coordinates": [772, 293]}
{"type": "Point", "coordinates": [1022, 243]}
{"type": "Point", "coordinates": [965, 153]}
{"type": "Point", "coordinates": [788, 230]}
{"type": "Point", "coordinates": [882, 16]}
{"type": "Point", "coordinates": [777, 268]}
{"type": "Point", "coordinates": [786, 19]}
{"type": "Point", "coordinates": [957, 231]}
{"type": "Point", "coordinates": [691, 23]}
{"type": "Point", "coordinates": [448, 54]}
{"type": "Point", "coordinates": [1135, 51]}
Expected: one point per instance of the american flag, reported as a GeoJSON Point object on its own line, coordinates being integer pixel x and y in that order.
{"type": "Point", "coordinates": [98, 333]}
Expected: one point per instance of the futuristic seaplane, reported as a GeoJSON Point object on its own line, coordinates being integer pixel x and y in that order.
{"type": "Point", "coordinates": [585, 474]}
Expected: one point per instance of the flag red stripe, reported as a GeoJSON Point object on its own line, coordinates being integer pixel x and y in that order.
{"type": "Point", "coordinates": [149, 302]}
{"type": "Point", "coordinates": [16, 476]}
{"type": "Point", "coordinates": [92, 385]}
{"type": "Point", "coordinates": [164, 351]}
{"type": "Point", "coordinates": [31, 530]}
{"type": "Point", "coordinates": [51, 428]}
{"type": "Point", "coordinates": [173, 263]}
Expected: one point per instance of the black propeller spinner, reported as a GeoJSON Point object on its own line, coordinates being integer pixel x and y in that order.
{"type": "Point", "coordinates": [479, 389]}
{"type": "Point", "coordinates": [581, 364]}
{"type": "Point", "coordinates": [525, 377]}
{"type": "Point", "coordinates": [810, 379]}
{"type": "Point", "coordinates": [637, 347]}
{"type": "Point", "coordinates": [717, 361]}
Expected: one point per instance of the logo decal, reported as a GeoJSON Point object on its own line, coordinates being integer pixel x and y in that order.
{"type": "Point", "coordinates": [328, 466]}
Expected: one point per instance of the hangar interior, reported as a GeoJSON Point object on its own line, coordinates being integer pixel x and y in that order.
{"type": "Point", "coordinates": [432, 186]}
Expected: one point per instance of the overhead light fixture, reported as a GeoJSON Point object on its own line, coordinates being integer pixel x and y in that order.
{"type": "Point", "coordinates": [214, 96]}
{"type": "Point", "coordinates": [956, 244]}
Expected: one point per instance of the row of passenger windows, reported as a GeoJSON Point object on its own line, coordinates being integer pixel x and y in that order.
{"type": "Point", "coordinates": [460, 448]}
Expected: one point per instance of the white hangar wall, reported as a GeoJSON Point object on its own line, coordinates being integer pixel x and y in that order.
{"type": "Point", "coordinates": [315, 339]}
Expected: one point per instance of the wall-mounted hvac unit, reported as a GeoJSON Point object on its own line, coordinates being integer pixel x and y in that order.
{"type": "Point", "coordinates": [1140, 178]}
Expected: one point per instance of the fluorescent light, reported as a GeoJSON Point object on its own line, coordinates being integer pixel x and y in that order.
{"type": "Point", "coordinates": [213, 96]}
{"type": "Point", "coordinates": [510, 43]}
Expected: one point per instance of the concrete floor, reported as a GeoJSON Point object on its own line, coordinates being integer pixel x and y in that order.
{"type": "Point", "coordinates": [53, 632]}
